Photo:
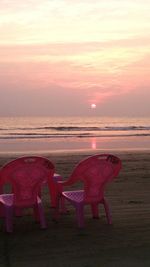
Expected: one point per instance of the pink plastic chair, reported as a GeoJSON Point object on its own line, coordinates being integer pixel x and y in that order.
{"type": "Point", "coordinates": [26, 176]}
{"type": "Point", "coordinates": [95, 172]}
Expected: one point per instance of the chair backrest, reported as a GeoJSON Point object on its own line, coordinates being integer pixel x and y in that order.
{"type": "Point", "coordinates": [95, 172]}
{"type": "Point", "coordinates": [26, 175]}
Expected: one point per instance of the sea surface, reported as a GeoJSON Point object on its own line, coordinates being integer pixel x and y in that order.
{"type": "Point", "coordinates": [67, 133]}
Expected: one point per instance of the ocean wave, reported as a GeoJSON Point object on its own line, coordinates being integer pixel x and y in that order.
{"type": "Point", "coordinates": [79, 128]}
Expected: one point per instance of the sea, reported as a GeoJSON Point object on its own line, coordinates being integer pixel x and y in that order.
{"type": "Point", "coordinates": [56, 134]}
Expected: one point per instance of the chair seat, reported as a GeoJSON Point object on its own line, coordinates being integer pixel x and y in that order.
{"type": "Point", "coordinates": [76, 196]}
{"type": "Point", "coordinates": [7, 199]}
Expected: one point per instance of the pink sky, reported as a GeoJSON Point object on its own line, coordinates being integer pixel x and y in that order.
{"type": "Point", "coordinates": [58, 57]}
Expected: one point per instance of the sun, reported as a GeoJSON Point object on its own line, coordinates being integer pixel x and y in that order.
{"type": "Point", "coordinates": [93, 106]}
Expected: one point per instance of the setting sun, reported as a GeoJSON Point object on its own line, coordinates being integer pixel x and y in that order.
{"type": "Point", "coordinates": [93, 106]}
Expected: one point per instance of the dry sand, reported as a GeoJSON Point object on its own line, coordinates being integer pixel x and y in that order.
{"type": "Point", "coordinates": [125, 243]}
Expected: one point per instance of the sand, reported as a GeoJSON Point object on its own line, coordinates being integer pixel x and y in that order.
{"type": "Point", "coordinates": [125, 243]}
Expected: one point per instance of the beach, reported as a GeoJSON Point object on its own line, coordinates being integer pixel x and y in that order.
{"type": "Point", "coordinates": [125, 243]}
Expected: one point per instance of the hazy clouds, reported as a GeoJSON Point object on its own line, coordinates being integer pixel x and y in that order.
{"type": "Point", "coordinates": [58, 57]}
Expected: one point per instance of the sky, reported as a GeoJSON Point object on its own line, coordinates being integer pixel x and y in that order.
{"type": "Point", "coordinates": [58, 57]}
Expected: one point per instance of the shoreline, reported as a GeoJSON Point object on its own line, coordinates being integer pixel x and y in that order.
{"type": "Point", "coordinates": [66, 145]}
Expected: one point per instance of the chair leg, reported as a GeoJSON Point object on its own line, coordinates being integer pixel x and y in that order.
{"type": "Point", "coordinates": [42, 216]}
{"type": "Point", "coordinates": [95, 210]}
{"type": "Point", "coordinates": [80, 215]}
{"type": "Point", "coordinates": [9, 218]}
{"type": "Point", "coordinates": [107, 211]}
{"type": "Point", "coordinates": [62, 206]}
{"type": "Point", "coordinates": [1, 210]}
{"type": "Point", "coordinates": [59, 208]}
